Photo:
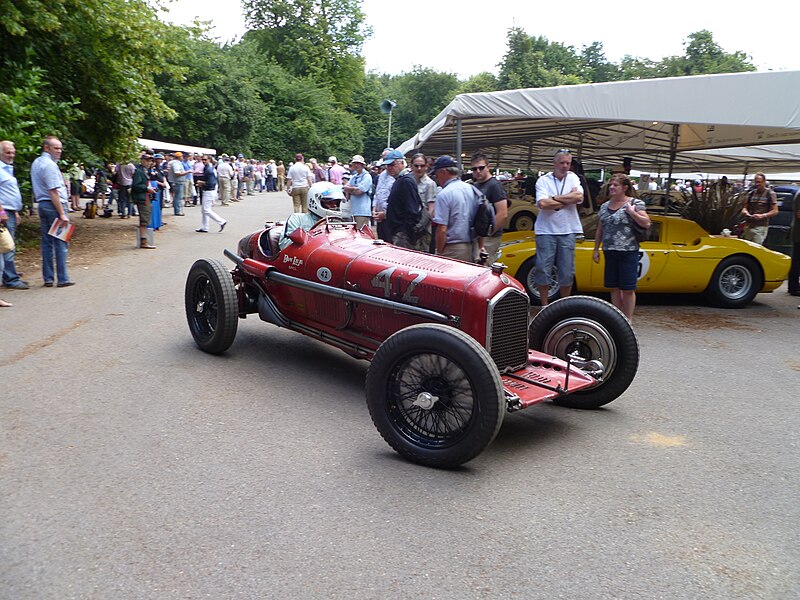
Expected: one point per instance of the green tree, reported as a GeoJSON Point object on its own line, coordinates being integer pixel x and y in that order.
{"type": "Point", "coordinates": [96, 55]}
{"type": "Point", "coordinates": [482, 82]}
{"type": "Point", "coordinates": [703, 55]}
{"type": "Point", "coordinates": [595, 68]}
{"type": "Point", "coordinates": [213, 95]}
{"type": "Point", "coordinates": [366, 108]}
{"type": "Point", "coordinates": [420, 95]}
{"type": "Point", "coordinates": [320, 39]}
{"type": "Point", "coordinates": [533, 62]}
{"type": "Point", "coordinates": [631, 67]}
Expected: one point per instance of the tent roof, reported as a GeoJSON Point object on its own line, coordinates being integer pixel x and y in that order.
{"type": "Point", "coordinates": [604, 122]}
{"type": "Point", "coordinates": [170, 147]}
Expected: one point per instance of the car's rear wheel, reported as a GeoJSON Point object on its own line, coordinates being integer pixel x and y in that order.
{"type": "Point", "coordinates": [435, 395]}
{"type": "Point", "coordinates": [211, 306]}
{"type": "Point", "coordinates": [735, 282]}
{"type": "Point", "coordinates": [595, 330]}
{"type": "Point", "coordinates": [525, 277]}
{"type": "Point", "coordinates": [523, 221]}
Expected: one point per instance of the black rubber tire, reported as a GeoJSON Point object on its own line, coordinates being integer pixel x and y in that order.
{"type": "Point", "coordinates": [598, 331]}
{"type": "Point", "coordinates": [450, 366]}
{"type": "Point", "coordinates": [523, 221]}
{"type": "Point", "coordinates": [735, 282]}
{"type": "Point", "coordinates": [525, 277]}
{"type": "Point", "coordinates": [211, 306]}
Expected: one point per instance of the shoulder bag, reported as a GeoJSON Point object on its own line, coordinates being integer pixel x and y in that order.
{"type": "Point", "coordinates": [6, 240]}
{"type": "Point", "coordinates": [640, 233]}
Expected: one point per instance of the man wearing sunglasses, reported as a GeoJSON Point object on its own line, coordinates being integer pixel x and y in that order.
{"type": "Point", "coordinates": [493, 190]}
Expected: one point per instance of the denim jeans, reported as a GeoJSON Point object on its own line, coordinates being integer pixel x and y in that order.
{"type": "Point", "coordinates": [124, 201]}
{"type": "Point", "coordinates": [9, 271]}
{"type": "Point", "coordinates": [52, 246]}
{"type": "Point", "coordinates": [558, 250]}
{"type": "Point", "coordinates": [177, 197]}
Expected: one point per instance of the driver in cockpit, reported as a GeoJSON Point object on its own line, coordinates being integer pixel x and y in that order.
{"type": "Point", "coordinates": [324, 200]}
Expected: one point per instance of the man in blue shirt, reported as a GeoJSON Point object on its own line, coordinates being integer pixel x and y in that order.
{"type": "Point", "coordinates": [50, 192]}
{"type": "Point", "coordinates": [358, 189]}
{"type": "Point", "coordinates": [456, 205]}
{"type": "Point", "coordinates": [11, 201]}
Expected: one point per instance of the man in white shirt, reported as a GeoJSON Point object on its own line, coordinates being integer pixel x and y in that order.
{"type": "Point", "coordinates": [298, 180]}
{"type": "Point", "coordinates": [558, 195]}
{"type": "Point", "coordinates": [224, 175]}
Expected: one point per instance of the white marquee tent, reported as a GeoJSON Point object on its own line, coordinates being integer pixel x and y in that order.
{"type": "Point", "coordinates": [158, 145]}
{"type": "Point", "coordinates": [671, 124]}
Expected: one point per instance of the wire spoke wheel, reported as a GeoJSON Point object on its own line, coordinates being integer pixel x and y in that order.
{"type": "Point", "coordinates": [441, 416]}
{"type": "Point", "coordinates": [211, 306]}
{"type": "Point", "coordinates": [735, 282]}
{"type": "Point", "coordinates": [435, 395]}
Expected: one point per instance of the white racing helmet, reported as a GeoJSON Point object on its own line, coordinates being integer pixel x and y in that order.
{"type": "Point", "coordinates": [325, 199]}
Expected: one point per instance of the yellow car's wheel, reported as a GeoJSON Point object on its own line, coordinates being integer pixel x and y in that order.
{"type": "Point", "coordinates": [523, 221]}
{"type": "Point", "coordinates": [735, 282]}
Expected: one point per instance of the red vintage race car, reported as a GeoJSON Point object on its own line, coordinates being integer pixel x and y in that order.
{"type": "Point", "coordinates": [451, 344]}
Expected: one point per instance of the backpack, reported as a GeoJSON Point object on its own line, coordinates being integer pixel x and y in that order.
{"type": "Point", "coordinates": [483, 221]}
{"type": "Point", "coordinates": [421, 233]}
{"type": "Point", "coordinates": [90, 212]}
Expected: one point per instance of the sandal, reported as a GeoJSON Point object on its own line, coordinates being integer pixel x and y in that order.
{"type": "Point", "coordinates": [5, 304]}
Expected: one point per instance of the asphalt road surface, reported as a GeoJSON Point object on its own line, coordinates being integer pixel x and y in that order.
{"type": "Point", "coordinates": [132, 465]}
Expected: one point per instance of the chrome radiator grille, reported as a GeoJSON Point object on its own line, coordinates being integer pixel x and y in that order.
{"type": "Point", "coordinates": [507, 329]}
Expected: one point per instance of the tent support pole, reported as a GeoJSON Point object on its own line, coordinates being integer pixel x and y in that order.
{"type": "Point", "coordinates": [458, 143]}
{"type": "Point", "coordinates": [672, 152]}
{"type": "Point", "coordinates": [530, 156]}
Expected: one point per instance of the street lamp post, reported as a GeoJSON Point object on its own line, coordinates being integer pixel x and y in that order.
{"type": "Point", "coordinates": [386, 108]}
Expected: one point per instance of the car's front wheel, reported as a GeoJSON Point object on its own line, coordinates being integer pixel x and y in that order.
{"type": "Point", "coordinates": [211, 306]}
{"type": "Point", "coordinates": [594, 330]}
{"type": "Point", "coordinates": [735, 282]}
{"type": "Point", "coordinates": [435, 395]}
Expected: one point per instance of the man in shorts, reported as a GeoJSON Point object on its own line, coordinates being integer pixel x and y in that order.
{"type": "Point", "coordinates": [558, 195]}
{"type": "Point", "coordinates": [141, 196]}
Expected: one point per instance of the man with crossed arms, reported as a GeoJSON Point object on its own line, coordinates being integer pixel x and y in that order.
{"type": "Point", "coordinates": [558, 195]}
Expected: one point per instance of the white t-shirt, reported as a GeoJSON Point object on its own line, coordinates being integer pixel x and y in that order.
{"type": "Point", "coordinates": [299, 174]}
{"type": "Point", "coordinates": [564, 220]}
{"type": "Point", "coordinates": [224, 170]}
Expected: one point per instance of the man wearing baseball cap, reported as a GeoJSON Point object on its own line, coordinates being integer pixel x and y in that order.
{"type": "Point", "coordinates": [455, 207]}
{"type": "Point", "coordinates": [403, 204]}
{"type": "Point", "coordinates": [357, 190]}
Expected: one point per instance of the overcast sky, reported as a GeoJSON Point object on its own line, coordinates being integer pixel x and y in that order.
{"type": "Point", "coordinates": [468, 37]}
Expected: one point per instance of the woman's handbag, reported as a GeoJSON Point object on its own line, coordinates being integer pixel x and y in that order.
{"type": "Point", "coordinates": [6, 240]}
{"type": "Point", "coordinates": [640, 233]}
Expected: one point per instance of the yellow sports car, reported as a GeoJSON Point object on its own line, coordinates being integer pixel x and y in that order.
{"type": "Point", "coordinates": [679, 257]}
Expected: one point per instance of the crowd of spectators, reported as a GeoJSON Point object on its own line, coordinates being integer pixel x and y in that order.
{"type": "Point", "coordinates": [426, 205]}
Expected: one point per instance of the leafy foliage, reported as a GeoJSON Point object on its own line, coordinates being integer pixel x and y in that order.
{"type": "Point", "coordinates": [99, 73]}
{"type": "Point", "coordinates": [704, 55]}
{"type": "Point", "coordinates": [95, 55]}
{"type": "Point", "coordinates": [319, 39]}
{"type": "Point", "coordinates": [420, 96]}
{"type": "Point", "coordinates": [213, 94]}
{"type": "Point", "coordinates": [715, 208]}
